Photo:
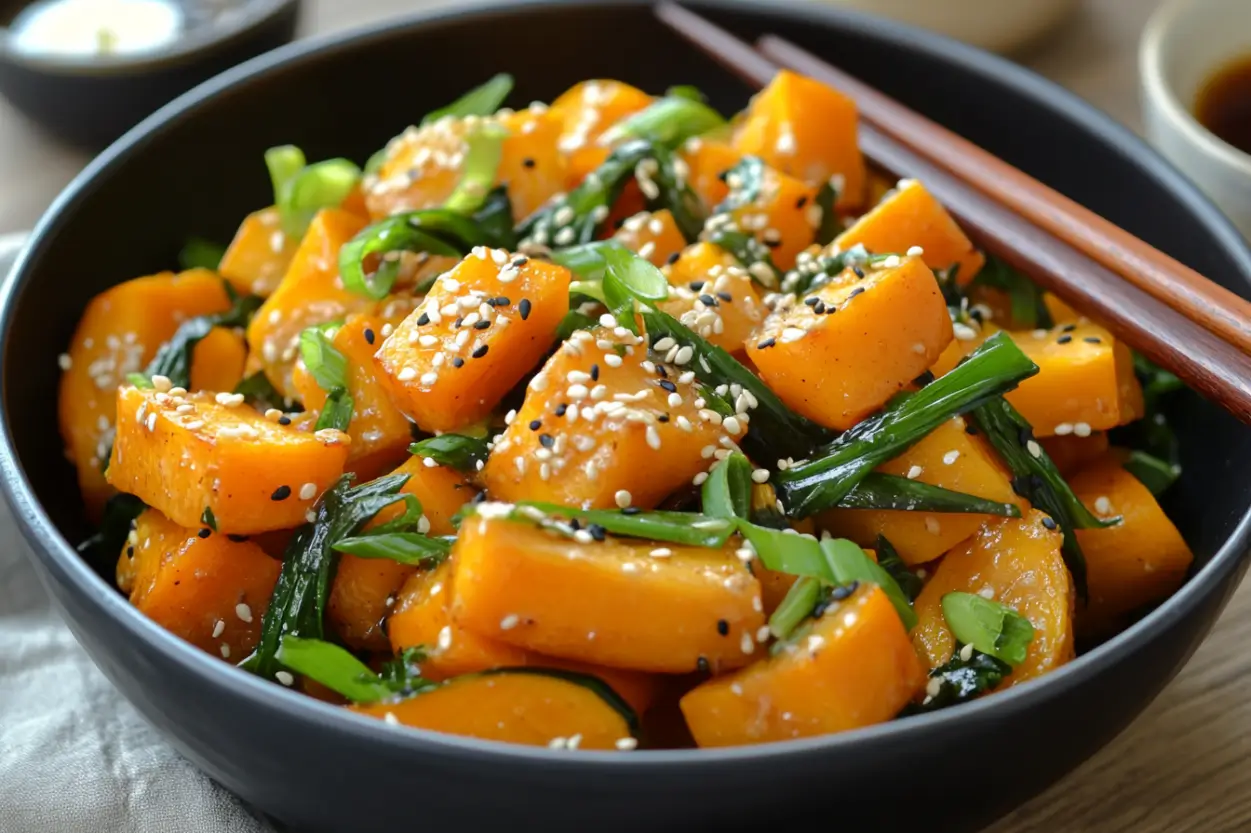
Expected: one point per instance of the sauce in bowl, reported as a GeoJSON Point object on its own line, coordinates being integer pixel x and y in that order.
{"type": "Point", "coordinates": [1223, 104]}
{"type": "Point", "coordinates": [96, 28]}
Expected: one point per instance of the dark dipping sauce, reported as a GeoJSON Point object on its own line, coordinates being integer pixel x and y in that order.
{"type": "Point", "coordinates": [1224, 103]}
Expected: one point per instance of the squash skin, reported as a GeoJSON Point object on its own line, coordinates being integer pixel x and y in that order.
{"type": "Point", "coordinates": [249, 471]}
{"type": "Point", "coordinates": [921, 537]}
{"type": "Point", "coordinates": [854, 668]}
{"type": "Point", "coordinates": [259, 255]}
{"type": "Point", "coordinates": [533, 709]}
{"type": "Point", "coordinates": [119, 333]}
{"type": "Point", "coordinates": [726, 324]}
{"type": "Point", "coordinates": [1019, 560]}
{"type": "Point", "coordinates": [1139, 561]}
{"type": "Point", "coordinates": [424, 380]}
{"type": "Point", "coordinates": [807, 130]}
{"type": "Point", "coordinates": [910, 216]}
{"type": "Point", "coordinates": [890, 326]}
{"type": "Point", "coordinates": [653, 235]}
{"type": "Point", "coordinates": [595, 453]}
{"type": "Point", "coordinates": [526, 587]}
{"type": "Point", "coordinates": [586, 111]}
{"type": "Point", "coordinates": [188, 583]}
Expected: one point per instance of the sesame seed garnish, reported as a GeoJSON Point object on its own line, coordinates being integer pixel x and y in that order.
{"type": "Point", "coordinates": [767, 343]}
{"type": "Point", "coordinates": [219, 628]}
{"type": "Point", "coordinates": [480, 351]}
{"type": "Point", "coordinates": [1034, 448]}
{"type": "Point", "coordinates": [1103, 506]}
{"type": "Point", "coordinates": [1082, 429]}
{"type": "Point", "coordinates": [1064, 339]}
{"type": "Point", "coordinates": [243, 612]}
{"type": "Point", "coordinates": [623, 498]}
{"type": "Point", "coordinates": [287, 679]}
{"type": "Point", "coordinates": [64, 361]}
{"type": "Point", "coordinates": [509, 622]}
{"type": "Point", "coordinates": [308, 491]}
{"type": "Point", "coordinates": [281, 493]}
{"type": "Point", "coordinates": [457, 361]}
{"type": "Point", "coordinates": [950, 457]}
{"type": "Point", "coordinates": [1064, 429]}
{"type": "Point", "coordinates": [1049, 522]}
{"type": "Point", "coordinates": [1092, 340]}
{"type": "Point", "coordinates": [988, 592]}
{"type": "Point", "coordinates": [284, 420]}
{"type": "Point", "coordinates": [369, 336]}
{"type": "Point", "coordinates": [205, 532]}
{"type": "Point", "coordinates": [224, 650]}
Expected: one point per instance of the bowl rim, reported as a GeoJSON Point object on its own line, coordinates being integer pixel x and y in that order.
{"type": "Point", "coordinates": [59, 557]}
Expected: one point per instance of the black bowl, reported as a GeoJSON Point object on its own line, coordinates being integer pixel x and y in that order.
{"type": "Point", "coordinates": [195, 168]}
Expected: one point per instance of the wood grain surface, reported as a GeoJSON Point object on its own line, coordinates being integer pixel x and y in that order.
{"type": "Point", "coordinates": [1181, 767]}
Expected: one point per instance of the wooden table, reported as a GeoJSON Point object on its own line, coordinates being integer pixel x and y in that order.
{"type": "Point", "coordinates": [1180, 767]}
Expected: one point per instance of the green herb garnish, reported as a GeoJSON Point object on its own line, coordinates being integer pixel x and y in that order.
{"type": "Point", "coordinates": [685, 528]}
{"type": "Point", "coordinates": [344, 674]}
{"type": "Point", "coordinates": [961, 680]}
{"type": "Point", "coordinates": [301, 190]}
{"type": "Point", "coordinates": [403, 547]}
{"type": "Point", "coordinates": [888, 559]}
{"type": "Point", "coordinates": [668, 121]}
{"type": "Point", "coordinates": [727, 491]}
{"type": "Point", "coordinates": [329, 368]}
{"type": "Point", "coordinates": [198, 253]}
{"type": "Point", "coordinates": [989, 626]}
{"type": "Point", "coordinates": [173, 358]}
{"type": "Point", "coordinates": [456, 451]}
{"type": "Point", "coordinates": [482, 100]}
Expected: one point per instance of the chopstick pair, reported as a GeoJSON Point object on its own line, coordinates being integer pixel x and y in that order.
{"type": "Point", "coordinates": [1167, 311]}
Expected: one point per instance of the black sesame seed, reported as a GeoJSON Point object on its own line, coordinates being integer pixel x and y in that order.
{"type": "Point", "coordinates": [725, 296]}
{"type": "Point", "coordinates": [1049, 522]}
{"type": "Point", "coordinates": [857, 271]}
{"type": "Point", "coordinates": [696, 286]}
{"type": "Point", "coordinates": [284, 420]}
{"type": "Point", "coordinates": [843, 591]}
{"type": "Point", "coordinates": [561, 408]}
{"type": "Point", "coordinates": [130, 552]}
{"type": "Point", "coordinates": [669, 386]}
{"type": "Point", "coordinates": [802, 201]}
{"type": "Point", "coordinates": [502, 301]}
{"type": "Point", "coordinates": [819, 308]}
{"type": "Point", "coordinates": [819, 610]}
{"type": "Point", "coordinates": [1092, 340]}
{"type": "Point", "coordinates": [597, 531]}
{"type": "Point", "coordinates": [481, 325]}
{"type": "Point", "coordinates": [460, 319]}
{"type": "Point", "coordinates": [594, 373]}
{"type": "Point", "coordinates": [768, 342]}
{"type": "Point", "coordinates": [536, 424]}
{"type": "Point", "coordinates": [369, 336]}
{"type": "Point", "coordinates": [707, 300]}
{"type": "Point", "coordinates": [971, 429]}
{"type": "Point", "coordinates": [773, 244]}
{"type": "Point", "coordinates": [480, 352]}
{"type": "Point", "coordinates": [1064, 339]}
{"type": "Point", "coordinates": [812, 301]}
{"type": "Point", "coordinates": [701, 664]}
{"type": "Point", "coordinates": [281, 493]}
{"type": "Point", "coordinates": [238, 539]}
{"type": "Point", "coordinates": [575, 524]}
{"type": "Point", "coordinates": [1068, 328]}
{"type": "Point", "coordinates": [724, 175]}
{"type": "Point", "coordinates": [524, 308]}
{"type": "Point", "coordinates": [205, 532]}
{"type": "Point", "coordinates": [547, 440]}
{"type": "Point", "coordinates": [520, 261]}
{"type": "Point", "coordinates": [723, 627]}
{"type": "Point", "coordinates": [423, 319]}
{"type": "Point", "coordinates": [673, 258]}
{"type": "Point", "coordinates": [662, 418]}
{"type": "Point", "coordinates": [457, 361]}
{"type": "Point", "coordinates": [662, 372]}
{"type": "Point", "coordinates": [857, 291]}
{"type": "Point", "coordinates": [528, 162]}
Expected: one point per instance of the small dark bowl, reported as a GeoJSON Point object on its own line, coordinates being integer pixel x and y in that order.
{"type": "Point", "coordinates": [90, 102]}
{"type": "Point", "coordinates": [195, 168]}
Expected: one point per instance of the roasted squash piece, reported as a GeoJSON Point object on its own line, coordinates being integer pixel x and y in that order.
{"type": "Point", "coordinates": [208, 588]}
{"type": "Point", "coordinates": [1061, 312]}
{"type": "Point", "coordinates": [365, 590]}
{"type": "Point", "coordinates": [708, 161]}
{"type": "Point", "coordinates": [860, 341]}
{"type": "Point", "coordinates": [603, 425]}
{"type": "Point", "coordinates": [424, 164]}
{"type": "Point", "coordinates": [784, 217]}
{"type": "Point", "coordinates": [184, 454]}
{"type": "Point", "coordinates": [533, 589]}
{"type": "Point", "coordinates": [259, 255]}
{"type": "Point", "coordinates": [653, 235]}
{"type": "Point", "coordinates": [1085, 380]}
{"type": "Point", "coordinates": [854, 667]}
{"type": "Point", "coordinates": [518, 706]}
{"type": "Point", "coordinates": [1072, 453]}
{"type": "Point", "coordinates": [218, 360]}
{"type": "Point", "coordinates": [310, 293]}
{"type": "Point", "coordinates": [586, 111]}
{"type": "Point", "coordinates": [714, 296]}
{"type": "Point", "coordinates": [119, 333]}
{"type": "Point", "coordinates": [1137, 562]}
{"type": "Point", "coordinates": [482, 328]}
{"type": "Point", "coordinates": [806, 130]}
{"type": "Point", "coordinates": [1015, 561]}
{"type": "Point", "coordinates": [910, 216]}
{"type": "Point", "coordinates": [948, 457]}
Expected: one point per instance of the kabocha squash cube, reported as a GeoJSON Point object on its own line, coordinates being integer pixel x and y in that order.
{"type": "Point", "coordinates": [365, 590]}
{"type": "Point", "coordinates": [1085, 381]}
{"type": "Point", "coordinates": [653, 235]}
{"type": "Point", "coordinates": [547, 593]}
{"type": "Point", "coordinates": [1072, 453]}
{"type": "Point", "coordinates": [424, 165]}
{"type": "Point", "coordinates": [259, 255]}
{"type": "Point", "coordinates": [854, 667]}
{"type": "Point", "coordinates": [586, 111]}
{"type": "Point", "coordinates": [948, 457]}
{"type": "Point", "coordinates": [711, 294]}
{"type": "Point", "coordinates": [603, 425]}
{"type": "Point", "coordinates": [483, 327]}
{"type": "Point", "coordinates": [806, 130]}
{"type": "Point", "coordinates": [206, 587]}
{"type": "Point", "coordinates": [310, 293]}
{"type": "Point", "coordinates": [845, 350]}
{"type": "Point", "coordinates": [1137, 562]}
{"type": "Point", "coordinates": [185, 454]}
{"type": "Point", "coordinates": [525, 707]}
{"type": "Point", "coordinates": [119, 333]}
{"type": "Point", "coordinates": [708, 162]}
{"type": "Point", "coordinates": [784, 217]}
{"type": "Point", "coordinates": [910, 216]}
{"type": "Point", "coordinates": [1017, 562]}
{"type": "Point", "coordinates": [218, 360]}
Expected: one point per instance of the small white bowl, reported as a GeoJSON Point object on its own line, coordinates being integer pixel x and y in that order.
{"type": "Point", "coordinates": [998, 25]}
{"type": "Point", "coordinates": [1185, 42]}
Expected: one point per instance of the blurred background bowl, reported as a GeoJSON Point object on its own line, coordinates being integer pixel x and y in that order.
{"type": "Point", "coordinates": [997, 25]}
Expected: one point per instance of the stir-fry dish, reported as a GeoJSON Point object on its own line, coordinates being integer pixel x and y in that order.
{"type": "Point", "coordinates": [613, 423]}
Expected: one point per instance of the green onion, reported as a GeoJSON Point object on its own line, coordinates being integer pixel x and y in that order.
{"type": "Point", "coordinates": [830, 226]}
{"type": "Point", "coordinates": [102, 548]}
{"type": "Point", "coordinates": [1029, 310]}
{"type": "Point", "coordinates": [686, 91]}
{"type": "Point", "coordinates": [208, 518]}
{"type": "Point", "coordinates": [886, 491]}
{"type": "Point", "coordinates": [328, 367]}
{"type": "Point", "coordinates": [482, 161]}
{"type": "Point", "coordinates": [402, 547]}
{"type": "Point", "coordinates": [889, 560]}
{"type": "Point", "coordinates": [284, 163]}
{"type": "Point", "coordinates": [337, 412]}
{"type": "Point", "coordinates": [995, 367]}
{"type": "Point", "coordinates": [787, 551]}
{"type": "Point", "coordinates": [961, 681]}
{"type": "Point", "coordinates": [173, 358]}
{"type": "Point", "coordinates": [988, 626]}
{"type": "Point", "coordinates": [798, 605]}
{"type": "Point", "coordinates": [1153, 435]}
{"type": "Point", "coordinates": [629, 278]}
{"type": "Point", "coordinates": [727, 491]}
{"type": "Point", "coordinates": [849, 563]}
{"type": "Point", "coordinates": [198, 253]}
{"type": "Point", "coordinates": [301, 190]}
{"type": "Point", "coordinates": [480, 101]}
{"type": "Point", "coordinates": [746, 181]}
{"type": "Point", "coordinates": [686, 528]}
{"type": "Point", "coordinates": [343, 673]}
{"type": "Point", "coordinates": [1152, 472]}
{"type": "Point", "coordinates": [494, 219]}
{"type": "Point", "coordinates": [260, 392]}
{"type": "Point", "coordinates": [586, 261]}
{"type": "Point", "coordinates": [668, 121]}
{"type": "Point", "coordinates": [456, 451]}
{"type": "Point", "coordinates": [751, 254]}
{"type": "Point", "coordinates": [572, 322]}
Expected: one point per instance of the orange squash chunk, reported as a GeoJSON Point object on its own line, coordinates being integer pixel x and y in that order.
{"type": "Point", "coordinates": [365, 589]}
{"type": "Point", "coordinates": [218, 360]}
{"type": "Point", "coordinates": [185, 454]}
{"type": "Point", "coordinates": [210, 590]}
{"type": "Point", "coordinates": [1085, 381]}
{"type": "Point", "coordinates": [586, 111]}
{"type": "Point", "coordinates": [1015, 561]}
{"type": "Point", "coordinates": [1061, 312]}
{"type": "Point", "coordinates": [531, 709]}
{"type": "Point", "coordinates": [1072, 453]}
{"type": "Point", "coordinates": [855, 667]}
{"type": "Point", "coordinates": [836, 368]}
{"type": "Point", "coordinates": [533, 589]}
{"type": "Point", "coordinates": [444, 370]}
{"type": "Point", "coordinates": [310, 293]}
{"type": "Point", "coordinates": [708, 161]}
{"type": "Point", "coordinates": [703, 273]}
{"type": "Point", "coordinates": [1141, 560]}
{"type": "Point", "coordinates": [948, 457]}
{"type": "Point", "coordinates": [910, 216]}
{"type": "Point", "coordinates": [424, 164]}
{"type": "Point", "coordinates": [806, 130]}
{"type": "Point", "coordinates": [119, 333]}
{"type": "Point", "coordinates": [653, 235]}
{"type": "Point", "coordinates": [784, 217]}
{"type": "Point", "coordinates": [259, 255]}
{"type": "Point", "coordinates": [607, 429]}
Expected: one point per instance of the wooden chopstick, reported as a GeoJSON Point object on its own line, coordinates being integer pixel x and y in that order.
{"type": "Point", "coordinates": [1217, 369]}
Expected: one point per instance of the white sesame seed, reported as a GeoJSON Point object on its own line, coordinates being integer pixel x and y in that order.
{"type": "Point", "coordinates": [934, 687]}
{"type": "Point", "coordinates": [1033, 448]}
{"type": "Point", "coordinates": [509, 622]}
{"type": "Point", "coordinates": [445, 638]}
{"type": "Point", "coordinates": [284, 677]}
{"type": "Point", "coordinates": [653, 437]}
{"type": "Point", "coordinates": [966, 653]}
{"type": "Point", "coordinates": [915, 251]}
{"type": "Point", "coordinates": [407, 374]}
{"type": "Point", "coordinates": [661, 552]}
{"type": "Point", "coordinates": [390, 719]}
{"type": "Point", "coordinates": [699, 478]}
{"type": "Point", "coordinates": [225, 651]}
{"type": "Point", "coordinates": [308, 491]}
{"type": "Point", "coordinates": [950, 457]}
{"type": "Point", "coordinates": [623, 498]}
{"type": "Point", "coordinates": [1081, 429]}
{"type": "Point", "coordinates": [243, 612]}
{"type": "Point", "coordinates": [430, 462]}
{"type": "Point", "coordinates": [1103, 506]}
{"type": "Point", "coordinates": [987, 592]}
{"type": "Point", "coordinates": [915, 472]}
{"type": "Point", "coordinates": [626, 744]}
{"type": "Point", "coordinates": [747, 644]}
{"type": "Point", "coordinates": [1064, 429]}
{"type": "Point", "coordinates": [429, 378]}
{"type": "Point", "coordinates": [760, 476]}
{"type": "Point", "coordinates": [964, 332]}
{"type": "Point", "coordinates": [228, 400]}
{"type": "Point", "coordinates": [219, 627]}
{"type": "Point", "coordinates": [64, 361]}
